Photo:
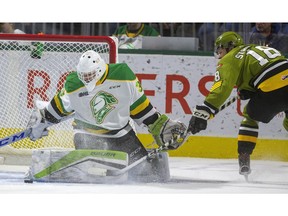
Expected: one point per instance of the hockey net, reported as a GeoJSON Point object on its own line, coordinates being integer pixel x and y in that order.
{"type": "Point", "coordinates": [34, 67]}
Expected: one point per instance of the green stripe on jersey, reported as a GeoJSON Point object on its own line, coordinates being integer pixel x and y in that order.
{"type": "Point", "coordinates": [121, 72]}
{"type": "Point", "coordinates": [138, 102]}
{"type": "Point", "coordinates": [73, 82]}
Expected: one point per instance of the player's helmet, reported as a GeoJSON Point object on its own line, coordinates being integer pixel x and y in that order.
{"type": "Point", "coordinates": [228, 40]}
{"type": "Point", "coordinates": [90, 68]}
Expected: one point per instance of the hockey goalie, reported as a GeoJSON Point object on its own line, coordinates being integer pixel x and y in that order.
{"type": "Point", "coordinates": [102, 99]}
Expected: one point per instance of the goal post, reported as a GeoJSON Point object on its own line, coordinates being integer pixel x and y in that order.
{"type": "Point", "coordinates": [34, 67]}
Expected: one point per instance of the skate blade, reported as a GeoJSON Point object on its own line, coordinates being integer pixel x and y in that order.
{"type": "Point", "coordinates": [246, 178]}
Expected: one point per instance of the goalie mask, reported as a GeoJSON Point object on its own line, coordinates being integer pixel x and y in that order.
{"type": "Point", "coordinates": [90, 69]}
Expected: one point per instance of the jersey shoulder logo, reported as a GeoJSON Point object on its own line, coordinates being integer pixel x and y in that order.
{"type": "Point", "coordinates": [219, 66]}
{"type": "Point", "coordinates": [101, 104]}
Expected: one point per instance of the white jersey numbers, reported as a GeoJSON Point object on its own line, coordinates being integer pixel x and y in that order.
{"type": "Point", "coordinates": [217, 76]}
{"type": "Point", "coordinates": [268, 52]}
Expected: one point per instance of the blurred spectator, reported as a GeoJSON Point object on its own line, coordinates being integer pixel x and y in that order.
{"type": "Point", "coordinates": [165, 29]}
{"type": "Point", "coordinates": [268, 34]}
{"type": "Point", "coordinates": [8, 28]}
{"type": "Point", "coordinates": [207, 33]}
{"type": "Point", "coordinates": [130, 35]}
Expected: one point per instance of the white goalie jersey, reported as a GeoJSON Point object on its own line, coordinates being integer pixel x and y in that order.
{"type": "Point", "coordinates": [107, 109]}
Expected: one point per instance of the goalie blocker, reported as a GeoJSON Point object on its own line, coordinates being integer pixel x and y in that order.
{"type": "Point", "coordinates": [93, 166]}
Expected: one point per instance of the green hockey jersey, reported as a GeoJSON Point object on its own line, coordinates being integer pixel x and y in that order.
{"type": "Point", "coordinates": [133, 40]}
{"type": "Point", "coordinates": [245, 67]}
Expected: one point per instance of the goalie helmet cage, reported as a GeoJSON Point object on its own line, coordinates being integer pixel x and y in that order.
{"type": "Point", "coordinates": [34, 67]}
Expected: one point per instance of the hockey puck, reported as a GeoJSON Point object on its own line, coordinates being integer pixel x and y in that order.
{"type": "Point", "coordinates": [28, 181]}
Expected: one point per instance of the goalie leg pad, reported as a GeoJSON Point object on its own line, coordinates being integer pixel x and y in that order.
{"type": "Point", "coordinates": [89, 166]}
{"type": "Point", "coordinates": [77, 166]}
{"type": "Point", "coordinates": [128, 143]}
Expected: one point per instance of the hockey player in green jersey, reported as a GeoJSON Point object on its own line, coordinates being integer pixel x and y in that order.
{"type": "Point", "coordinates": [261, 76]}
{"type": "Point", "coordinates": [103, 98]}
{"type": "Point", "coordinates": [130, 36]}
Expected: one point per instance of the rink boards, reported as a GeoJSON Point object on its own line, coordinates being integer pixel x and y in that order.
{"type": "Point", "coordinates": [225, 148]}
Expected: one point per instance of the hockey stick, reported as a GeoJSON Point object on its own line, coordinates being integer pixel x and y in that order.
{"type": "Point", "coordinates": [228, 103]}
{"type": "Point", "coordinates": [15, 137]}
{"type": "Point", "coordinates": [22, 134]}
{"type": "Point", "coordinates": [161, 148]}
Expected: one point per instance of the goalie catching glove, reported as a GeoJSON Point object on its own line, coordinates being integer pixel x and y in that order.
{"type": "Point", "coordinates": [198, 121]}
{"type": "Point", "coordinates": [165, 130]}
{"type": "Point", "coordinates": [39, 124]}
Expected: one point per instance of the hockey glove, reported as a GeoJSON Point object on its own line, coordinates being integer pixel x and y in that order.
{"type": "Point", "coordinates": [199, 119]}
{"type": "Point", "coordinates": [38, 124]}
{"type": "Point", "coordinates": [165, 130]}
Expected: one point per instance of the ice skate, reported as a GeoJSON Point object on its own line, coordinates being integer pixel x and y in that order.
{"type": "Point", "coordinates": [244, 165]}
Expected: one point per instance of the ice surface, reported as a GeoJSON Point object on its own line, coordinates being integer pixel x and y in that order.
{"type": "Point", "coordinates": [195, 177]}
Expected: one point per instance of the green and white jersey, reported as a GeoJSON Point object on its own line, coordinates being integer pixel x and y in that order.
{"type": "Point", "coordinates": [107, 109]}
{"type": "Point", "coordinates": [133, 40]}
{"type": "Point", "coordinates": [240, 67]}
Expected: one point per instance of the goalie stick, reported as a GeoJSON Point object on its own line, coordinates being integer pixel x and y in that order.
{"type": "Point", "coordinates": [22, 134]}
{"type": "Point", "coordinates": [15, 137]}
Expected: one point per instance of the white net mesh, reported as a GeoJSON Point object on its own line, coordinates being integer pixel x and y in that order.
{"type": "Point", "coordinates": [33, 68]}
